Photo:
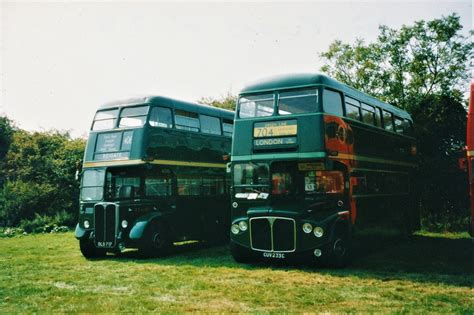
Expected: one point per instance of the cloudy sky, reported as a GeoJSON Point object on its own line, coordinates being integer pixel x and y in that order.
{"type": "Point", "coordinates": [61, 60]}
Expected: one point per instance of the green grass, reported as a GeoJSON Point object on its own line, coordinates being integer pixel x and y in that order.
{"type": "Point", "coordinates": [46, 273]}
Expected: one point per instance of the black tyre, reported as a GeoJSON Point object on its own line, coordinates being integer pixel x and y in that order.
{"type": "Point", "coordinates": [241, 254]}
{"type": "Point", "coordinates": [156, 241]}
{"type": "Point", "coordinates": [339, 251]}
{"type": "Point", "coordinates": [89, 251]}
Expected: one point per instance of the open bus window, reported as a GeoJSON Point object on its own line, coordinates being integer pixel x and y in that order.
{"type": "Point", "coordinates": [281, 183]}
{"type": "Point", "coordinates": [133, 116]}
{"type": "Point", "coordinates": [92, 187]}
{"type": "Point", "coordinates": [105, 119]}
{"type": "Point", "coordinates": [352, 108]}
{"type": "Point", "coordinates": [331, 182]}
{"type": "Point", "coordinates": [256, 106]}
{"type": "Point", "coordinates": [156, 186]}
{"type": "Point", "coordinates": [298, 102]}
{"type": "Point", "coordinates": [161, 117]}
{"type": "Point", "coordinates": [368, 115]}
{"type": "Point", "coordinates": [186, 120]}
{"type": "Point", "coordinates": [388, 121]}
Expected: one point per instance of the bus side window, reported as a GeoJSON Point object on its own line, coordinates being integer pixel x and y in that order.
{"type": "Point", "coordinates": [399, 125]}
{"type": "Point", "coordinates": [332, 102]}
{"type": "Point", "coordinates": [227, 127]}
{"type": "Point", "coordinates": [161, 117]}
{"type": "Point", "coordinates": [189, 185]}
{"type": "Point", "coordinates": [186, 120]}
{"type": "Point", "coordinates": [210, 125]}
{"type": "Point", "coordinates": [213, 186]}
{"type": "Point", "coordinates": [368, 114]}
{"type": "Point", "coordinates": [378, 117]}
{"type": "Point", "coordinates": [352, 108]}
{"type": "Point", "coordinates": [388, 121]}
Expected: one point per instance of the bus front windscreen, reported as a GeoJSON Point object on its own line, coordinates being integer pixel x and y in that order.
{"type": "Point", "coordinates": [251, 181]}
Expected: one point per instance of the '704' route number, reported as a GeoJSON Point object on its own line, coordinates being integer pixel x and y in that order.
{"type": "Point", "coordinates": [274, 255]}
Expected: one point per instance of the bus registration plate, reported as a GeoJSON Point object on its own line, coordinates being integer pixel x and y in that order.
{"type": "Point", "coordinates": [274, 255]}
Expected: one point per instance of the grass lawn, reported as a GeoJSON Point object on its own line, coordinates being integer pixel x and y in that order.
{"type": "Point", "coordinates": [47, 273]}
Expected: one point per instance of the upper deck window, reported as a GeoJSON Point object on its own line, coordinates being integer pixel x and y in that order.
{"type": "Point", "coordinates": [105, 119]}
{"type": "Point", "coordinates": [352, 108]}
{"type": "Point", "coordinates": [227, 126]}
{"type": "Point", "coordinates": [186, 120]}
{"type": "Point", "coordinates": [388, 121]}
{"type": "Point", "coordinates": [210, 125]}
{"type": "Point", "coordinates": [402, 126]}
{"type": "Point", "coordinates": [256, 105]}
{"type": "Point", "coordinates": [298, 102]}
{"type": "Point", "coordinates": [133, 116]}
{"type": "Point", "coordinates": [332, 102]}
{"type": "Point", "coordinates": [161, 117]}
{"type": "Point", "coordinates": [368, 115]}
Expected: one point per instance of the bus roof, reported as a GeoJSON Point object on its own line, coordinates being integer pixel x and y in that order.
{"type": "Point", "coordinates": [172, 103]}
{"type": "Point", "coordinates": [300, 80]}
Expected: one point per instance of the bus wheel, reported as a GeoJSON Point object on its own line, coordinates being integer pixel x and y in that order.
{"type": "Point", "coordinates": [155, 242]}
{"type": "Point", "coordinates": [339, 250]}
{"type": "Point", "coordinates": [241, 254]}
{"type": "Point", "coordinates": [88, 250]}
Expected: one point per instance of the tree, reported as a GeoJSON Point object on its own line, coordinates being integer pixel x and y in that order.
{"type": "Point", "coordinates": [227, 101]}
{"type": "Point", "coordinates": [39, 176]}
{"type": "Point", "coordinates": [407, 64]}
{"type": "Point", "coordinates": [422, 68]}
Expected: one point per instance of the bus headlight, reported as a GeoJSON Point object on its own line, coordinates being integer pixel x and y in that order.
{"type": "Point", "coordinates": [235, 229]}
{"type": "Point", "coordinates": [87, 224]}
{"type": "Point", "coordinates": [307, 228]}
{"type": "Point", "coordinates": [243, 226]}
{"type": "Point", "coordinates": [124, 224]}
{"type": "Point", "coordinates": [318, 231]}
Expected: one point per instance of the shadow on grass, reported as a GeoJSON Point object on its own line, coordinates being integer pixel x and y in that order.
{"type": "Point", "coordinates": [424, 259]}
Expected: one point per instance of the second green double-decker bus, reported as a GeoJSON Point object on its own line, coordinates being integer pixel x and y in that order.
{"type": "Point", "coordinates": [154, 175]}
{"type": "Point", "coordinates": [313, 161]}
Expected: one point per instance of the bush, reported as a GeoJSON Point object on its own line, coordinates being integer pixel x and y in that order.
{"type": "Point", "coordinates": [48, 224]}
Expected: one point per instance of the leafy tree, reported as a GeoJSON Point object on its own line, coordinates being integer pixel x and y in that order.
{"type": "Point", "coordinates": [39, 171]}
{"type": "Point", "coordinates": [227, 101]}
{"type": "Point", "coordinates": [407, 64]}
{"type": "Point", "coordinates": [422, 68]}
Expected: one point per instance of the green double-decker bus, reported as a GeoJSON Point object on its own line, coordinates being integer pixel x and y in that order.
{"type": "Point", "coordinates": [315, 162]}
{"type": "Point", "coordinates": [153, 175]}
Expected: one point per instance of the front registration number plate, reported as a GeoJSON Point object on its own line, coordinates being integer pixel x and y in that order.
{"type": "Point", "coordinates": [104, 244]}
{"type": "Point", "coordinates": [274, 255]}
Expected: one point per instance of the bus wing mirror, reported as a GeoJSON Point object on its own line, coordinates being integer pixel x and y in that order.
{"type": "Point", "coordinates": [228, 167]}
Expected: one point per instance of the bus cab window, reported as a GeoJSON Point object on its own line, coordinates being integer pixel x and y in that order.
{"type": "Point", "coordinates": [161, 117]}
{"type": "Point", "coordinates": [298, 102]}
{"type": "Point", "coordinates": [281, 183]}
{"type": "Point", "coordinates": [332, 102]}
{"type": "Point", "coordinates": [133, 116]}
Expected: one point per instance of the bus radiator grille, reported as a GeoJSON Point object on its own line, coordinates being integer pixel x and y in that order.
{"type": "Point", "coordinates": [273, 234]}
{"type": "Point", "coordinates": [105, 223]}
{"type": "Point", "coordinates": [261, 234]}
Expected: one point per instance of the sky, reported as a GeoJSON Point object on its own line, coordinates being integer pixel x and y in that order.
{"type": "Point", "coordinates": [61, 60]}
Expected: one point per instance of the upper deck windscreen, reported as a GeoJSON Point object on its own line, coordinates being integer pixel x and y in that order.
{"type": "Point", "coordinates": [288, 102]}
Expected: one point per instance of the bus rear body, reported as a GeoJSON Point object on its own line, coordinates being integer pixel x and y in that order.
{"type": "Point", "coordinates": [314, 160]}
{"type": "Point", "coordinates": [154, 175]}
